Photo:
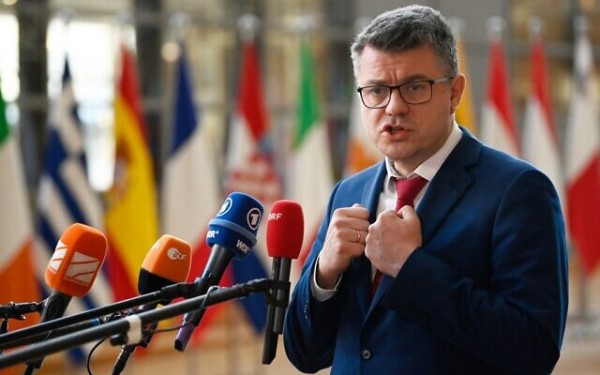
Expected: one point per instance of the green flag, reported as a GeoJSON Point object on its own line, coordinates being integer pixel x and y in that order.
{"type": "Point", "coordinates": [4, 130]}
{"type": "Point", "coordinates": [309, 114]}
{"type": "Point", "coordinates": [311, 178]}
{"type": "Point", "coordinates": [16, 230]}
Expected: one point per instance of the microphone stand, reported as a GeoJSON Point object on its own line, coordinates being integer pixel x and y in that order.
{"type": "Point", "coordinates": [16, 311]}
{"type": "Point", "coordinates": [39, 331]}
{"type": "Point", "coordinates": [131, 327]}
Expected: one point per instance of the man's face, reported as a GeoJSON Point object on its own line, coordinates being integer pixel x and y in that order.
{"type": "Point", "coordinates": [408, 133]}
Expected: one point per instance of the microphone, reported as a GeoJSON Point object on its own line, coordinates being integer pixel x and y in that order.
{"type": "Point", "coordinates": [231, 233]}
{"type": "Point", "coordinates": [168, 262]}
{"type": "Point", "coordinates": [76, 261]}
{"type": "Point", "coordinates": [285, 231]}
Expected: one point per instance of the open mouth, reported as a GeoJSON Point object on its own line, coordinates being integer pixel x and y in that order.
{"type": "Point", "coordinates": [393, 129]}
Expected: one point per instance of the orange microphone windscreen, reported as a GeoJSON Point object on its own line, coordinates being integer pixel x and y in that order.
{"type": "Point", "coordinates": [77, 258]}
{"type": "Point", "coordinates": [169, 258]}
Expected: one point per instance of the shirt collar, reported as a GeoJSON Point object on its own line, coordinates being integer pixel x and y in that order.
{"type": "Point", "coordinates": [431, 166]}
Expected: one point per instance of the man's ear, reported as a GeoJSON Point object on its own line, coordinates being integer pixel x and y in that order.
{"type": "Point", "coordinates": [457, 89]}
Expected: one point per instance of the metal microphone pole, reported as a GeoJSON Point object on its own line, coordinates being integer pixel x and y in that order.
{"type": "Point", "coordinates": [131, 327]}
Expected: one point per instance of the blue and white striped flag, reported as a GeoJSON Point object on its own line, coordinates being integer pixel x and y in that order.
{"type": "Point", "coordinates": [65, 196]}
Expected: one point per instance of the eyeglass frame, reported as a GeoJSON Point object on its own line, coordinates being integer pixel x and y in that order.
{"type": "Point", "coordinates": [391, 89]}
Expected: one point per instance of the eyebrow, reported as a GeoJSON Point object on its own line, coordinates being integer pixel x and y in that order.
{"type": "Point", "coordinates": [408, 79]}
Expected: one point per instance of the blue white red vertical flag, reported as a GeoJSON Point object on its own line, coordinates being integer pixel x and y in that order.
{"type": "Point", "coordinates": [582, 158]}
{"type": "Point", "coordinates": [540, 142]}
{"type": "Point", "coordinates": [498, 127]}
{"type": "Point", "coordinates": [191, 193]}
{"type": "Point", "coordinates": [65, 195]}
{"type": "Point", "coordinates": [250, 169]}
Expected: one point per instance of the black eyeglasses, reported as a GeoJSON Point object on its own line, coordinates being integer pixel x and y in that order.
{"type": "Point", "coordinates": [415, 92]}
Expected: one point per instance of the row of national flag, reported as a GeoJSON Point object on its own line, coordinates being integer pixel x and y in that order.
{"type": "Point", "coordinates": [574, 165]}
{"type": "Point", "coordinates": [131, 213]}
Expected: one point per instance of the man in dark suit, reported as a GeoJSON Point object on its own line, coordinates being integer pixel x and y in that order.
{"type": "Point", "coordinates": [475, 280]}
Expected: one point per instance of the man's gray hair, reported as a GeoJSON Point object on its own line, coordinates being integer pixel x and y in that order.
{"type": "Point", "coordinates": [406, 28]}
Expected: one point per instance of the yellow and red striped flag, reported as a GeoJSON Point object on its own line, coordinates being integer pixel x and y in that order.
{"type": "Point", "coordinates": [465, 114]}
{"type": "Point", "coordinates": [131, 213]}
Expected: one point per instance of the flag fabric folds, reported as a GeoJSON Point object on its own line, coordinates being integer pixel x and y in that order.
{"type": "Point", "coordinates": [465, 114]}
{"type": "Point", "coordinates": [311, 179]}
{"type": "Point", "coordinates": [360, 151]}
{"type": "Point", "coordinates": [540, 141]}
{"type": "Point", "coordinates": [582, 158]}
{"type": "Point", "coordinates": [131, 208]}
{"type": "Point", "coordinates": [16, 229]}
{"type": "Point", "coordinates": [191, 195]}
{"type": "Point", "coordinates": [250, 169]}
{"type": "Point", "coordinates": [498, 128]}
{"type": "Point", "coordinates": [65, 195]}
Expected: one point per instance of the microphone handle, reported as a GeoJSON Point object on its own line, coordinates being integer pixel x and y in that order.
{"type": "Point", "coordinates": [270, 340]}
{"type": "Point", "coordinates": [54, 307]}
{"type": "Point", "coordinates": [282, 299]}
{"type": "Point", "coordinates": [148, 336]}
{"type": "Point", "coordinates": [126, 351]}
{"type": "Point", "coordinates": [192, 318]}
{"type": "Point", "coordinates": [219, 258]}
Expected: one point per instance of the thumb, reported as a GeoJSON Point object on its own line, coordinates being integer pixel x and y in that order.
{"type": "Point", "coordinates": [407, 212]}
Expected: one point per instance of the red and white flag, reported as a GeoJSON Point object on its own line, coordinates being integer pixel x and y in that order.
{"type": "Point", "coordinates": [250, 170]}
{"type": "Point", "coordinates": [498, 129]}
{"type": "Point", "coordinates": [583, 158]}
{"type": "Point", "coordinates": [540, 142]}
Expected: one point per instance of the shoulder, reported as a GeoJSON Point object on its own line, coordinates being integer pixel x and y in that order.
{"type": "Point", "coordinates": [493, 160]}
{"type": "Point", "coordinates": [499, 170]}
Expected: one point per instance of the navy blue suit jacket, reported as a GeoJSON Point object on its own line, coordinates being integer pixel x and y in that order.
{"type": "Point", "coordinates": [485, 294]}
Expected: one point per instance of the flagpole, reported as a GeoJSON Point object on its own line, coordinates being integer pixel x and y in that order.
{"type": "Point", "coordinates": [248, 26]}
{"type": "Point", "coordinates": [583, 315]}
{"type": "Point", "coordinates": [179, 22]}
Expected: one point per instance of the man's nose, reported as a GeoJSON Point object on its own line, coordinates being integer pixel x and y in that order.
{"type": "Point", "coordinates": [397, 104]}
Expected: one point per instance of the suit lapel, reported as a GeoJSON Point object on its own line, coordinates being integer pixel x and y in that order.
{"type": "Point", "coordinates": [448, 185]}
{"type": "Point", "coordinates": [369, 199]}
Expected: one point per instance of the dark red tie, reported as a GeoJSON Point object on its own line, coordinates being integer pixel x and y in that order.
{"type": "Point", "coordinates": [407, 190]}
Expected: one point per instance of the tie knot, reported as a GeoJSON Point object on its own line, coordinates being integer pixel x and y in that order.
{"type": "Point", "coordinates": [407, 190]}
